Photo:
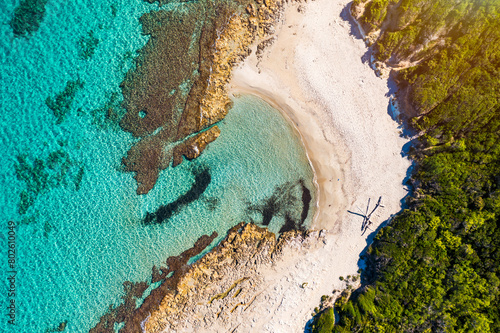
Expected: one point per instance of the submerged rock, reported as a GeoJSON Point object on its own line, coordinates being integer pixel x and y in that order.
{"type": "Point", "coordinates": [179, 84]}
{"type": "Point", "coordinates": [195, 297]}
{"type": "Point", "coordinates": [132, 317]}
{"type": "Point", "coordinates": [193, 147]}
{"type": "Point", "coordinates": [224, 280]}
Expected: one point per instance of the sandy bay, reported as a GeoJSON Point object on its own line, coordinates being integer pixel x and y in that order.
{"type": "Point", "coordinates": [317, 74]}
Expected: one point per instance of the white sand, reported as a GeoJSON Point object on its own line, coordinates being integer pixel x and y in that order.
{"type": "Point", "coordinates": [315, 75]}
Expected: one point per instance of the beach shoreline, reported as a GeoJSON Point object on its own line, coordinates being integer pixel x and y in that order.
{"type": "Point", "coordinates": [280, 78]}
{"type": "Point", "coordinates": [281, 107]}
{"type": "Point", "coordinates": [316, 72]}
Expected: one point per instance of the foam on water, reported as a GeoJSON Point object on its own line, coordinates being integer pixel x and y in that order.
{"type": "Point", "coordinates": [76, 245]}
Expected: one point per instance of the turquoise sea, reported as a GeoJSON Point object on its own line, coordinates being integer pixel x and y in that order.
{"type": "Point", "coordinates": [79, 230]}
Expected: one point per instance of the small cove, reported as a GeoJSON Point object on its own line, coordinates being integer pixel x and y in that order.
{"type": "Point", "coordinates": [80, 231]}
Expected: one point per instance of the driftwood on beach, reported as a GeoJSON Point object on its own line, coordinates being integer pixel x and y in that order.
{"type": "Point", "coordinates": [366, 218]}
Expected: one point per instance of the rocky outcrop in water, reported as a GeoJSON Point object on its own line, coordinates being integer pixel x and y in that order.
{"type": "Point", "coordinates": [178, 87]}
{"type": "Point", "coordinates": [224, 281]}
{"type": "Point", "coordinates": [127, 313]}
{"type": "Point", "coordinates": [193, 147]}
{"type": "Point", "coordinates": [203, 295]}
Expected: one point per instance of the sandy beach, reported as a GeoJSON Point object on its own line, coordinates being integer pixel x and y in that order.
{"type": "Point", "coordinates": [315, 74]}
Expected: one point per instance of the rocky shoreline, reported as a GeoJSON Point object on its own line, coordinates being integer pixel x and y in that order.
{"type": "Point", "coordinates": [204, 294]}
{"type": "Point", "coordinates": [251, 281]}
{"type": "Point", "coordinates": [132, 317]}
{"type": "Point", "coordinates": [224, 280]}
{"type": "Point", "coordinates": [174, 94]}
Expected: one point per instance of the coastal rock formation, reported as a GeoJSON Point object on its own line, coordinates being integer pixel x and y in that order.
{"type": "Point", "coordinates": [146, 158]}
{"type": "Point", "coordinates": [224, 280]}
{"type": "Point", "coordinates": [195, 297]}
{"type": "Point", "coordinates": [178, 87]}
{"type": "Point", "coordinates": [127, 313]}
{"type": "Point", "coordinates": [193, 147]}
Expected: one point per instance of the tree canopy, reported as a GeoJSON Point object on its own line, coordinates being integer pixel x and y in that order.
{"type": "Point", "coordinates": [436, 266]}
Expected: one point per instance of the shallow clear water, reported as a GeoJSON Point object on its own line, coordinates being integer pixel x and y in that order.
{"type": "Point", "coordinates": [80, 237]}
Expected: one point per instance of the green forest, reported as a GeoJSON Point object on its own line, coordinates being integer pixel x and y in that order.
{"type": "Point", "coordinates": [436, 266]}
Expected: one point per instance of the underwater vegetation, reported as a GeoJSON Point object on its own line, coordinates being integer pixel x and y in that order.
{"type": "Point", "coordinates": [40, 175]}
{"type": "Point", "coordinates": [27, 17]}
{"type": "Point", "coordinates": [202, 179]}
{"type": "Point", "coordinates": [290, 201]}
{"type": "Point", "coordinates": [108, 116]}
{"type": "Point", "coordinates": [61, 103]}
{"type": "Point", "coordinates": [61, 327]}
{"type": "Point", "coordinates": [87, 44]}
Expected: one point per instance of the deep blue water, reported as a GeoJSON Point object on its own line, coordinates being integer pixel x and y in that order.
{"type": "Point", "coordinates": [78, 218]}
